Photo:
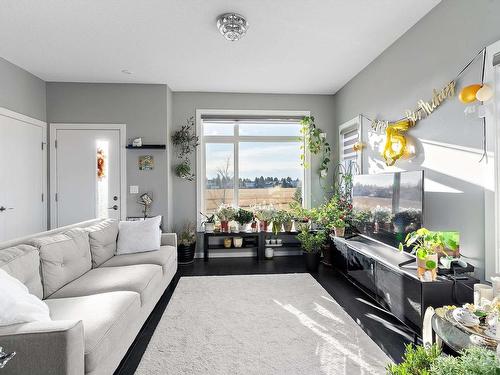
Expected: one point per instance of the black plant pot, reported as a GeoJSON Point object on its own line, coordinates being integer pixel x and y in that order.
{"type": "Point", "coordinates": [312, 261]}
{"type": "Point", "coordinates": [185, 254]}
{"type": "Point", "coordinates": [327, 255]}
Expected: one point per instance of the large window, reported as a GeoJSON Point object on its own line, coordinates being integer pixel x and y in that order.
{"type": "Point", "coordinates": [245, 161]}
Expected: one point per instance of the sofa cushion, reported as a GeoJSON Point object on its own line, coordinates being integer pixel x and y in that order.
{"type": "Point", "coordinates": [102, 238]}
{"type": "Point", "coordinates": [64, 257]}
{"type": "Point", "coordinates": [144, 279]}
{"type": "Point", "coordinates": [23, 263]}
{"type": "Point", "coordinates": [139, 236]}
{"type": "Point", "coordinates": [106, 318]}
{"type": "Point", "coordinates": [163, 257]}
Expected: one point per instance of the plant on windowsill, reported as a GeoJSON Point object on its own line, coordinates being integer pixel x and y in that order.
{"type": "Point", "coordinates": [264, 213]}
{"type": "Point", "coordinates": [312, 243]}
{"type": "Point", "coordinates": [314, 140]}
{"type": "Point", "coordinates": [243, 217]}
{"type": "Point", "coordinates": [185, 142]}
{"type": "Point", "coordinates": [426, 245]}
{"type": "Point", "coordinates": [278, 219]}
{"type": "Point", "coordinates": [225, 213]}
{"type": "Point", "coordinates": [186, 243]}
{"type": "Point", "coordinates": [208, 223]}
{"type": "Point", "coordinates": [301, 216]}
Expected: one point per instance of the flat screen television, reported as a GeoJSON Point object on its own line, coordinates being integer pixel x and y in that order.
{"type": "Point", "coordinates": [388, 206]}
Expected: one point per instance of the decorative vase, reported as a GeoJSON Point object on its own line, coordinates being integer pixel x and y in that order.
{"type": "Point", "coordinates": [288, 225]}
{"type": "Point", "coordinates": [339, 232]}
{"type": "Point", "coordinates": [430, 263]}
{"type": "Point", "coordinates": [227, 242]}
{"type": "Point", "coordinates": [263, 226]}
{"type": "Point", "coordinates": [209, 227]}
{"type": "Point", "coordinates": [238, 241]}
{"type": "Point", "coordinates": [269, 253]}
{"type": "Point", "coordinates": [312, 260]}
{"type": "Point", "coordinates": [185, 253]}
{"type": "Point", "coordinates": [224, 226]}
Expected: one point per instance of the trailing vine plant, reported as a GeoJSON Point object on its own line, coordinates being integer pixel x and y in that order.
{"type": "Point", "coordinates": [314, 140]}
{"type": "Point", "coordinates": [185, 142]}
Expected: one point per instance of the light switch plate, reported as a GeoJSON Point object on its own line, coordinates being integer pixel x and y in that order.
{"type": "Point", "coordinates": [134, 189]}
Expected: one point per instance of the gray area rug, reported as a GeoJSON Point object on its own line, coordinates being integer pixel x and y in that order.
{"type": "Point", "coordinates": [258, 324]}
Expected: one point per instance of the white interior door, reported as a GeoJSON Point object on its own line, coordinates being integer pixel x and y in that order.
{"type": "Point", "coordinates": [22, 175]}
{"type": "Point", "coordinates": [88, 173]}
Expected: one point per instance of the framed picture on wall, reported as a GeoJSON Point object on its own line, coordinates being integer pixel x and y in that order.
{"type": "Point", "coordinates": [146, 163]}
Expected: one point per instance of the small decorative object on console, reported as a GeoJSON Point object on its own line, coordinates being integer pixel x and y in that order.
{"type": "Point", "coordinates": [145, 200]}
{"type": "Point", "coordinates": [238, 241]}
{"type": "Point", "coordinates": [137, 142]}
{"type": "Point", "coordinates": [227, 242]}
{"type": "Point", "coordinates": [209, 222]}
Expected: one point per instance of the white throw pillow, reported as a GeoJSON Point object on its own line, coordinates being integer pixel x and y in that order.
{"type": "Point", "coordinates": [139, 236]}
{"type": "Point", "coordinates": [18, 305]}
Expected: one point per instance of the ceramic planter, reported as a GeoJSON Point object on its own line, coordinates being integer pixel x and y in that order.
{"type": "Point", "coordinates": [269, 253]}
{"type": "Point", "coordinates": [238, 241]}
{"type": "Point", "coordinates": [423, 265]}
{"type": "Point", "coordinates": [288, 225]}
{"type": "Point", "coordinates": [185, 253]}
{"type": "Point", "coordinates": [339, 232]}
{"type": "Point", "coordinates": [224, 226]}
{"type": "Point", "coordinates": [209, 227]}
{"type": "Point", "coordinates": [228, 242]}
{"type": "Point", "coordinates": [312, 261]}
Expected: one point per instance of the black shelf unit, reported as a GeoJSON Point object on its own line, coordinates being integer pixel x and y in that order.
{"type": "Point", "coordinates": [146, 147]}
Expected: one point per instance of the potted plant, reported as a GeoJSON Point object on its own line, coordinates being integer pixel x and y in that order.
{"type": "Point", "coordinates": [287, 221]}
{"type": "Point", "coordinates": [264, 214]}
{"type": "Point", "coordinates": [185, 142]}
{"type": "Point", "coordinates": [279, 218]}
{"type": "Point", "coordinates": [311, 243]}
{"type": "Point", "coordinates": [225, 213]}
{"type": "Point", "coordinates": [301, 216]}
{"type": "Point", "coordinates": [208, 223]}
{"type": "Point", "coordinates": [243, 217]}
{"type": "Point", "coordinates": [186, 243]}
{"type": "Point", "coordinates": [425, 245]}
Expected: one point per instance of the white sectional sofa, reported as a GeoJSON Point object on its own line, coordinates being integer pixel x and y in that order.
{"type": "Point", "coordinates": [98, 301]}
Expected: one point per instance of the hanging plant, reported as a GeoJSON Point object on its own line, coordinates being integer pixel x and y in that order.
{"type": "Point", "coordinates": [314, 140]}
{"type": "Point", "coordinates": [185, 142]}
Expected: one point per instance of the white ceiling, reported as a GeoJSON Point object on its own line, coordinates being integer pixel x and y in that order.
{"type": "Point", "coordinates": [292, 46]}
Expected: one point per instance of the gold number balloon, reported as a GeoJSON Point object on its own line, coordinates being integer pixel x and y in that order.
{"type": "Point", "coordinates": [468, 93]}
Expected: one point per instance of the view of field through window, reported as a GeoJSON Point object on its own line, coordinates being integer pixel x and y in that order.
{"type": "Point", "coordinates": [269, 172]}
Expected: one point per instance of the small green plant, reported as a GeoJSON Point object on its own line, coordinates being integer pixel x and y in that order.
{"type": "Point", "coordinates": [314, 140]}
{"type": "Point", "coordinates": [243, 217]}
{"type": "Point", "coordinates": [185, 142]}
{"type": "Point", "coordinates": [208, 218]}
{"type": "Point", "coordinates": [334, 213]}
{"type": "Point", "coordinates": [187, 235]}
{"type": "Point", "coordinates": [423, 243]}
{"type": "Point", "coordinates": [264, 213]}
{"type": "Point", "coordinates": [417, 360]}
{"type": "Point", "coordinates": [382, 215]}
{"type": "Point", "coordinates": [312, 242]}
{"type": "Point", "coordinates": [226, 212]}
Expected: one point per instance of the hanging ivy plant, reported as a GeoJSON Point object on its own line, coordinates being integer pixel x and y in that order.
{"type": "Point", "coordinates": [185, 142]}
{"type": "Point", "coordinates": [314, 140]}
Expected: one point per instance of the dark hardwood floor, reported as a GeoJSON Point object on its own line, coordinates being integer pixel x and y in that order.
{"type": "Point", "coordinates": [384, 329]}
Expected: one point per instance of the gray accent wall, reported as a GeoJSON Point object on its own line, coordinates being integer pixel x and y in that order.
{"type": "Point", "coordinates": [143, 108]}
{"type": "Point", "coordinates": [21, 91]}
{"type": "Point", "coordinates": [448, 143]}
{"type": "Point", "coordinates": [185, 105]}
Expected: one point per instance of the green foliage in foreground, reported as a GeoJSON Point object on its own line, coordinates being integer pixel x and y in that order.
{"type": "Point", "coordinates": [421, 361]}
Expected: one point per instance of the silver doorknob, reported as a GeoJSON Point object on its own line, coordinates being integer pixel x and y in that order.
{"type": "Point", "coordinates": [115, 207]}
{"type": "Point", "coordinates": [2, 208]}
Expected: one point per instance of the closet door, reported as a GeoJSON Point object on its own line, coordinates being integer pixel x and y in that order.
{"type": "Point", "coordinates": [22, 175]}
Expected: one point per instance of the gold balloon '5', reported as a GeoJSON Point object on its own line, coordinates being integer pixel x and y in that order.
{"type": "Point", "coordinates": [395, 142]}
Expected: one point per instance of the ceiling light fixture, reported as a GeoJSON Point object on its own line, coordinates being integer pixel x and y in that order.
{"type": "Point", "coordinates": [233, 26]}
{"type": "Point", "coordinates": [126, 71]}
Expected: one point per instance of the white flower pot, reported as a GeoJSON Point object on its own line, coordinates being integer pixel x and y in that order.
{"type": "Point", "coordinates": [238, 242]}
{"type": "Point", "coordinates": [269, 253]}
{"type": "Point", "coordinates": [209, 227]}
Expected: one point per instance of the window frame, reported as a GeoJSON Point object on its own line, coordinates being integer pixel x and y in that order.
{"type": "Point", "coordinates": [235, 139]}
{"type": "Point", "coordinates": [348, 126]}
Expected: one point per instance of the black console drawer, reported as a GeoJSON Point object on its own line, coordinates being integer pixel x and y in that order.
{"type": "Point", "coordinates": [361, 269]}
{"type": "Point", "coordinates": [339, 255]}
{"type": "Point", "coordinates": [399, 294]}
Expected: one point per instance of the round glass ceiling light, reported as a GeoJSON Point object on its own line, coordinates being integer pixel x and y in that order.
{"type": "Point", "coordinates": [233, 26]}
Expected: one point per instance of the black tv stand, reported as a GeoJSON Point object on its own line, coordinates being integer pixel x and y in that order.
{"type": "Point", "coordinates": [386, 275]}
